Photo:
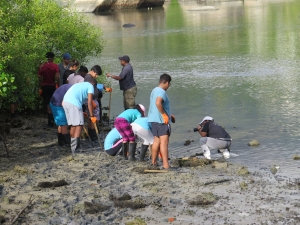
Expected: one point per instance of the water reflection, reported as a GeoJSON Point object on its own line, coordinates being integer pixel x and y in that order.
{"type": "Point", "coordinates": [239, 64]}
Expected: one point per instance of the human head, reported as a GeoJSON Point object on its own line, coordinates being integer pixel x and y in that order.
{"type": "Point", "coordinates": [50, 55]}
{"type": "Point", "coordinates": [96, 70]}
{"type": "Point", "coordinates": [124, 59]}
{"type": "Point", "coordinates": [83, 71]}
{"type": "Point", "coordinates": [141, 109]}
{"type": "Point", "coordinates": [91, 80]}
{"type": "Point", "coordinates": [66, 58]}
{"type": "Point", "coordinates": [74, 64]}
{"type": "Point", "coordinates": [205, 119]}
{"type": "Point", "coordinates": [165, 81]}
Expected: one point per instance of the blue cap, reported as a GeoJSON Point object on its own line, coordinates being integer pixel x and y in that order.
{"type": "Point", "coordinates": [100, 87]}
{"type": "Point", "coordinates": [66, 56]}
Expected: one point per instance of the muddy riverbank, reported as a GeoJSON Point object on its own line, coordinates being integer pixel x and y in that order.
{"type": "Point", "coordinates": [95, 188]}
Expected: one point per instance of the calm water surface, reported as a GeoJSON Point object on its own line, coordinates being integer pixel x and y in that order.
{"type": "Point", "coordinates": [239, 64]}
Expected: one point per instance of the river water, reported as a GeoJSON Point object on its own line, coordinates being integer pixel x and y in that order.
{"type": "Point", "coordinates": [238, 64]}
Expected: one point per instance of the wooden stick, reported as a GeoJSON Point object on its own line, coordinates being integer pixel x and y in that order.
{"type": "Point", "coordinates": [87, 134]}
{"type": "Point", "coordinates": [96, 128]}
{"type": "Point", "coordinates": [18, 215]}
{"type": "Point", "coordinates": [156, 171]}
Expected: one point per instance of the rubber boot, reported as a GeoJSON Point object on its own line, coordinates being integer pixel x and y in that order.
{"type": "Point", "coordinates": [66, 138]}
{"type": "Point", "coordinates": [78, 143]}
{"type": "Point", "coordinates": [93, 135]}
{"type": "Point", "coordinates": [132, 148]}
{"type": "Point", "coordinates": [206, 151]}
{"type": "Point", "coordinates": [60, 139]}
{"type": "Point", "coordinates": [73, 145]}
{"type": "Point", "coordinates": [125, 149]}
{"type": "Point", "coordinates": [50, 120]}
{"type": "Point", "coordinates": [143, 152]}
{"type": "Point", "coordinates": [225, 153]}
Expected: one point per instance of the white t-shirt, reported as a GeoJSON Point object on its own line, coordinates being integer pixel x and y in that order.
{"type": "Point", "coordinates": [73, 79]}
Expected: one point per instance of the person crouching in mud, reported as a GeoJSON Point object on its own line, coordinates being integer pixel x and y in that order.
{"type": "Point", "coordinates": [213, 136]}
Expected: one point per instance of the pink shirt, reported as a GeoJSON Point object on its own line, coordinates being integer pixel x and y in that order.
{"type": "Point", "coordinates": [73, 79]}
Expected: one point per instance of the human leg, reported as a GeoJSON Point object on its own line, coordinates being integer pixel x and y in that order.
{"type": "Point", "coordinates": [129, 98]}
{"type": "Point", "coordinates": [155, 150]}
{"type": "Point", "coordinates": [204, 147]}
{"type": "Point", "coordinates": [164, 142]}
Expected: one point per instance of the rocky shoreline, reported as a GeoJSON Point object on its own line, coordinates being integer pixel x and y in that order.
{"type": "Point", "coordinates": [94, 188]}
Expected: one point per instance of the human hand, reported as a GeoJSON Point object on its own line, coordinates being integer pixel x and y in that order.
{"type": "Point", "coordinates": [172, 118]}
{"type": "Point", "coordinates": [56, 86]}
{"type": "Point", "coordinates": [108, 89]}
{"type": "Point", "coordinates": [85, 115]}
{"type": "Point", "coordinates": [108, 75]}
{"type": "Point", "coordinates": [93, 119]}
{"type": "Point", "coordinates": [165, 118]}
{"type": "Point", "coordinates": [40, 92]}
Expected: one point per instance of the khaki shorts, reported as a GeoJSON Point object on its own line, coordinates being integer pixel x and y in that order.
{"type": "Point", "coordinates": [129, 97]}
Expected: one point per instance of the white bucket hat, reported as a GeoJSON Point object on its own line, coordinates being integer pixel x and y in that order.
{"type": "Point", "coordinates": [207, 118]}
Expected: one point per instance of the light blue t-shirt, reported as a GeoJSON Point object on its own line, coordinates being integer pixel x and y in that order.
{"type": "Point", "coordinates": [78, 93]}
{"type": "Point", "coordinates": [111, 138]}
{"type": "Point", "coordinates": [143, 122]}
{"type": "Point", "coordinates": [153, 113]}
{"type": "Point", "coordinates": [130, 115]}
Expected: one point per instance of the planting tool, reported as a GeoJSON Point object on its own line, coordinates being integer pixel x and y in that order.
{"type": "Point", "coordinates": [96, 128]}
{"type": "Point", "coordinates": [87, 134]}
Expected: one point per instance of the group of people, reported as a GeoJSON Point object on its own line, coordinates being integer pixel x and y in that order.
{"type": "Point", "coordinates": [70, 96]}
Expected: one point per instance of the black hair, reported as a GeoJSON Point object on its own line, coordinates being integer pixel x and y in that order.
{"type": "Point", "coordinates": [97, 69]}
{"type": "Point", "coordinates": [140, 110]}
{"type": "Point", "coordinates": [165, 78]}
{"type": "Point", "coordinates": [74, 62]}
{"type": "Point", "coordinates": [50, 55]}
{"type": "Point", "coordinates": [83, 69]}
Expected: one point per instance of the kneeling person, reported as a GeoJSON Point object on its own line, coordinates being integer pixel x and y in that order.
{"type": "Point", "coordinates": [213, 136]}
{"type": "Point", "coordinates": [113, 142]}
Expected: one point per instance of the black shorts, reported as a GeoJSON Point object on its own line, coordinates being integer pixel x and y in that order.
{"type": "Point", "coordinates": [48, 91]}
{"type": "Point", "coordinates": [160, 129]}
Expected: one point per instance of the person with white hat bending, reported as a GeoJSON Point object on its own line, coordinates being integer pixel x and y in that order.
{"type": "Point", "coordinates": [213, 136]}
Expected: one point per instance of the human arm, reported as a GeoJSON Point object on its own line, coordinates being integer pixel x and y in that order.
{"type": "Point", "coordinates": [113, 76]}
{"type": "Point", "coordinates": [159, 104]}
{"type": "Point", "coordinates": [90, 104]}
{"type": "Point", "coordinates": [202, 130]}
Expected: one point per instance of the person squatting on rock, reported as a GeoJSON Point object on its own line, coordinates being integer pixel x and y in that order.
{"type": "Point", "coordinates": [126, 82]}
{"type": "Point", "coordinates": [142, 128]}
{"type": "Point", "coordinates": [73, 100]}
{"type": "Point", "coordinates": [159, 115]}
{"type": "Point", "coordinates": [78, 77]}
{"type": "Point", "coordinates": [73, 66]}
{"type": "Point", "coordinates": [213, 136]}
{"type": "Point", "coordinates": [49, 78]}
{"type": "Point", "coordinates": [63, 66]}
{"type": "Point", "coordinates": [59, 115]}
{"type": "Point", "coordinates": [92, 74]}
{"type": "Point", "coordinates": [122, 124]}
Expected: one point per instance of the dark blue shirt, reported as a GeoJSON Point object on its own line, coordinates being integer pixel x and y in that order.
{"type": "Point", "coordinates": [59, 94]}
{"type": "Point", "coordinates": [214, 130]}
{"type": "Point", "coordinates": [127, 81]}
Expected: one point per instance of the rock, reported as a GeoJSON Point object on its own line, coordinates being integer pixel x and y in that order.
{"type": "Point", "coordinates": [136, 221]}
{"type": "Point", "coordinates": [243, 185]}
{"type": "Point", "coordinates": [220, 165]}
{"type": "Point", "coordinates": [296, 157]}
{"type": "Point", "coordinates": [127, 25]}
{"type": "Point", "coordinates": [243, 171]}
{"type": "Point", "coordinates": [206, 198]}
{"type": "Point", "coordinates": [253, 143]}
{"type": "Point", "coordinates": [188, 142]}
{"type": "Point", "coordinates": [274, 169]}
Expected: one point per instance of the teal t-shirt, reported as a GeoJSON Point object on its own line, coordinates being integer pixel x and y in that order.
{"type": "Point", "coordinates": [130, 115]}
{"type": "Point", "coordinates": [111, 138]}
{"type": "Point", "coordinates": [153, 113]}
{"type": "Point", "coordinates": [143, 122]}
{"type": "Point", "coordinates": [78, 93]}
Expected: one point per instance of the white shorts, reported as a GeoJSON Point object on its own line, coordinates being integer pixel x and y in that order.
{"type": "Point", "coordinates": [74, 114]}
{"type": "Point", "coordinates": [146, 135]}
